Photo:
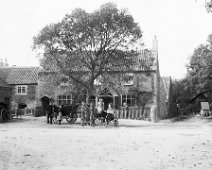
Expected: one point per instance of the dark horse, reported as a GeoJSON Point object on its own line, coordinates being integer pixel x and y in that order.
{"type": "Point", "coordinates": [51, 111]}
{"type": "Point", "coordinates": [4, 113]}
{"type": "Point", "coordinates": [70, 112]}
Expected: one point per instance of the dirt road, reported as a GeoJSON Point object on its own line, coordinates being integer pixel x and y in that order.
{"type": "Point", "coordinates": [30, 143]}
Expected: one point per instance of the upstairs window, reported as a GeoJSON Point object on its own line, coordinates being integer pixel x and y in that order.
{"type": "Point", "coordinates": [64, 99]}
{"type": "Point", "coordinates": [21, 89]}
{"type": "Point", "coordinates": [98, 81]}
{"type": "Point", "coordinates": [128, 79]}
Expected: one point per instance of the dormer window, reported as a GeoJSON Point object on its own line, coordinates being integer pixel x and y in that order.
{"type": "Point", "coordinates": [21, 89]}
{"type": "Point", "coordinates": [98, 80]}
{"type": "Point", "coordinates": [128, 79]}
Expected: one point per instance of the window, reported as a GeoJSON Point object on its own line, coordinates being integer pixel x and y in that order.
{"type": "Point", "coordinates": [64, 99]}
{"type": "Point", "coordinates": [93, 100]}
{"type": "Point", "coordinates": [21, 89]}
{"type": "Point", "coordinates": [128, 79]}
{"type": "Point", "coordinates": [98, 80]}
{"type": "Point", "coordinates": [129, 99]}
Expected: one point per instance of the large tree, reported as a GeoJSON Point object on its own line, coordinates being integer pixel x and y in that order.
{"type": "Point", "coordinates": [197, 85]}
{"type": "Point", "coordinates": [200, 67]}
{"type": "Point", "coordinates": [84, 46]}
{"type": "Point", "coordinates": [208, 5]}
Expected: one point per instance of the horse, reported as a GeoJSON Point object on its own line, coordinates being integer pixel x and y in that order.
{"type": "Point", "coordinates": [51, 112]}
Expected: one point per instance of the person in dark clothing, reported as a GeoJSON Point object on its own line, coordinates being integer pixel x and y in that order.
{"type": "Point", "coordinates": [50, 112]}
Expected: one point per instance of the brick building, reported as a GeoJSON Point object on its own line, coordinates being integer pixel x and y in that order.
{"type": "Point", "coordinates": [142, 88]}
{"type": "Point", "coordinates": [20, 86]}
{"type": "Point", "coordinates": [142, 81]}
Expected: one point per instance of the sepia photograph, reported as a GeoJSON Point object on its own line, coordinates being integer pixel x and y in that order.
{"type": "Point", "coordinates": [106, 85]}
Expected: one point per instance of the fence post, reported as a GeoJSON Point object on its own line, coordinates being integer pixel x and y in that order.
{"type": "Point", "coordinates": [132, 113]}
{"type": "Point", "coordinates": [121, 114]}
{"type": "Point", "coordinates": [140, 113]}
{"type": "Point", "coordinates": [129, 113]}
{"type": "Point", "coordinates": [137, 115]}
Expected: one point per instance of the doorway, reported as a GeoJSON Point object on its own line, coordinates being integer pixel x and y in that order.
{"type": "Point", "coordinates": [107, 100]}
{"type": "Point", "coordinates": [45, 103]}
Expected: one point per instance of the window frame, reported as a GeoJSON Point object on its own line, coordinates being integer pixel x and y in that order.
{"type": "Point", "coordinates": [128, 97]}
{"type": "Point", "coordinates": [20, 89]}
{"type": "Point", "coordinates": [64, 98]}
{"type": "Point", "coordinates": [129, 82]}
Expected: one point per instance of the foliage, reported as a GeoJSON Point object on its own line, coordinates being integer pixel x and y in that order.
{"type": "Point", "coordinates": [200, 68]}
{"type": "Point", "coordinates": [84, 45]}
{"type": "Point", "coordinates": [208, 5]}
{"type": "Point", "coordinates": [197, 85]}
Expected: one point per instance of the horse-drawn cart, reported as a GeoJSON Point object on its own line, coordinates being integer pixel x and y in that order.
{"type": "Point", "coordinates": [4, 112]}
{"type": "Point", "coordinates": [69, 112]}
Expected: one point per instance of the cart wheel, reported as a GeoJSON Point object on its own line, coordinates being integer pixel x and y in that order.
{"type": "Point", "coordinates": [74, 119]}
{"type": "Point", "coordinates": [82, 122]}
{"type": "Point", "coordinates": [92, 122]}
{"type": "Point", "coordinates": [68, 119]}
{"type": "Point", "coordinates": [116, 122]}
{"type": "Point", "coordinates": [55, 121]}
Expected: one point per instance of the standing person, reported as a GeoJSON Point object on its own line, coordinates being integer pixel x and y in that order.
{"type": "Point", "coordinates": [100, 110]}
{"type": "Point", "coordinates": [92, 116]}
{"type": "Point", "coordinates": [84, 113]}
{"type": "Point", "coordinates": [59, 116]}
{"type": "Point", "coordinates": [111, 111]}
{"type": "Point", "coordinates": [100, 106]}
{"type": "Point", "coordinates": [125, 107]}
{"type": "Point", "coordinates": [49, 112]}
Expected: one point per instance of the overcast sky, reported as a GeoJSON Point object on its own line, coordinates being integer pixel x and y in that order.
{"type": "Point", "coordinates": [180, 26]}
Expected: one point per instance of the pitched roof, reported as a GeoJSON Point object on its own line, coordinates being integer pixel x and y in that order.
{"type": "Point", "coordinates": [4, 84]}
{"type": "Point", "coordinates": [19, 75]}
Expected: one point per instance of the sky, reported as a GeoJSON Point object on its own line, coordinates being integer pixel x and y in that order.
{"type": "Point", "coordinates": [180, 27]}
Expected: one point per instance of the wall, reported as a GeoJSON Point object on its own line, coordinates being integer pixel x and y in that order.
{"type": "Point", "coordinates": [29, 98]}
{"type": "Point", "coordinates": [5, 93]}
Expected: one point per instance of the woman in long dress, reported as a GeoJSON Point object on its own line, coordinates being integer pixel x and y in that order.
{"type": "Point", "coordinates": [100, 106]}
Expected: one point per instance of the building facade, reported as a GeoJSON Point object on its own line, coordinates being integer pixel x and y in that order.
{"type": "Point", "coordinates": [139, 88]}
{"type": "Point", "coordinates": [21, 84]}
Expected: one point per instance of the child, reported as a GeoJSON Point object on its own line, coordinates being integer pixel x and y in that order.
{"type": "Point", "coordinates": [111, 111]}
{"type": "Point", "coordinates": [59, 116]}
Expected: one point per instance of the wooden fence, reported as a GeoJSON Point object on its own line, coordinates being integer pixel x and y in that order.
{"type": "Point", "coordinates": [134, 113]}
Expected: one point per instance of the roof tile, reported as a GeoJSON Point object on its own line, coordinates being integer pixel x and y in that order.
{"type": "Point", "coordinates": [19, 75]}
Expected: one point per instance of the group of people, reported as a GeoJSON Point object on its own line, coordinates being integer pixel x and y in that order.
{"type": "Point", "coordinates": [51, 110]}
{"type": "Point", "coordinates": [99, 113]}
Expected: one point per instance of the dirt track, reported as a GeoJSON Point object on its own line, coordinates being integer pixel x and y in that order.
{"type": "Point", "coordinates": [30, 143]}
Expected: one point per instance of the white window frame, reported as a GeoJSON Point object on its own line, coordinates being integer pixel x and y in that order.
{"type": "Point", "coordinates": [98, 80]}
{"type": "Point", "coordinates": [64, 99]}
{"type": "Point", "coordinates": [128, 97]}
{"type": "Point", "coordinates": [20, 89]}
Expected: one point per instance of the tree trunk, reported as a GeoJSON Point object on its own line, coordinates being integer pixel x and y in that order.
{"type": "Point", "coordinates": [142, 111]}
{"type": "Point", "coordinates": [88, 96]}
{"type": "Point", "coordinates": [89, 93]}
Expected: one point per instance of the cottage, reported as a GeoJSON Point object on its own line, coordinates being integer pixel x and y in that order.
{"type": "Point", "coordinates": [19, 86]}
{"type": "Point", "coordinates": [142, 88]}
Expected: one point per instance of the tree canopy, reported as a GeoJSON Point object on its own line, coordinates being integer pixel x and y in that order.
{"type": "Point", "coordinates": [208, 5]}
{"type": "Point", "coordinates": [89, 44]}
{"type": "Point", "coordinates": [197, 85]}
